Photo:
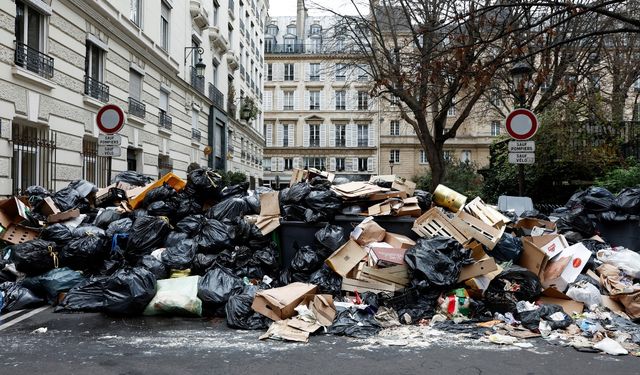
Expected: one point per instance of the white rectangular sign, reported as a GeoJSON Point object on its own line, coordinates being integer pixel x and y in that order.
{"type": "Point", "coordinates": [522, 146]}
{"type": "Point", "coordinates": [109, 151]}
{"type": "Point", "coordinates": [109, 140]}
{"type": "Point", "coordinates": [522, 157]}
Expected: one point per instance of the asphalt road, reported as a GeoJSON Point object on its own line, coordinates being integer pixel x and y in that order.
{"type": "Point", "coordinates": [96, 344]}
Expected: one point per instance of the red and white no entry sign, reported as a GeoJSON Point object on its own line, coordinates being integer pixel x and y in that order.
{"type": "Point", "coordinates": [110, 119]}
{"type": "Point", "coordinates": [522, 124]}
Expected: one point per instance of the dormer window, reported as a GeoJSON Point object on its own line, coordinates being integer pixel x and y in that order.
{"type": "Point", "coordinates": [315, 29]}
{"type": "Point", "coordinates": [291, 29]}
{"type": "Point", "coordinates": [272, 30]}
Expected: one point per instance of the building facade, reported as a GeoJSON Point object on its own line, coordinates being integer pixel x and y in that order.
{"type": "Point", "coordinates": [168, 64]}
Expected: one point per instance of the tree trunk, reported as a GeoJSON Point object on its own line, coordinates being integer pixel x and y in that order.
{"type": "Point", "coordinates": [617, 106]}
{"type": "Point", "coordinates": [436, 161]}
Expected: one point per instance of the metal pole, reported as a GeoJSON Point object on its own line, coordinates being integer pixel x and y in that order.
{"type": "Point", "coordinates": [522, 99]}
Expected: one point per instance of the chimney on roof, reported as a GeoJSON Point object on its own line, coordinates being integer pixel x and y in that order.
{"type": "Point", "coordinates": [301, 20]}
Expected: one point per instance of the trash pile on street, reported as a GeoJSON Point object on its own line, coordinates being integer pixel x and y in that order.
{"type": "Point", "coordinates": [286, 262]}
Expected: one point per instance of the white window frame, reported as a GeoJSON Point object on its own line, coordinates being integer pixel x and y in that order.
{"type": "Point", "coordinates": [165, 25]}
{"type": "Point", "coordinates": [195, 116]}
{"type": "Point", "coordinates": [394, 127]}
{"type": "Point", "coordinates": [394, 156]}
{"type": "Point", "coordinates": [289, 76]}
{"type": "Point", "coordinates": [288, 100]}
{"type": "Point", "coordinates": [314, 100]}
{"type": "Point", "coordinates": [465, 156]}
{"type": "Point", "coordinates": [340, 164]}
{"type": "Point", "coordinates": [136, 18]}
{"type": "Point", "coordinates": [341, 135]}
{"type": "Point", "coordinates": [91, 46]}
{"type": "Point", "coordinates": [495, 128]}
{"type": "Point", "coordinates": [314, 135]}
{"type": "Point", "coordinates": [363, 101]}
{"type": "Point", "coordinates": [44, 29]}
{"type": "Point", "coordinates": [314, 72]}
{"type": "Point", "coordinates": [423, 157]}
{"type": "Point", "coordinates": [341, 100]}
{"type": "Point", "coordinates": [363, 162]}
{"type": "Point", "coordinates": [363, 135]}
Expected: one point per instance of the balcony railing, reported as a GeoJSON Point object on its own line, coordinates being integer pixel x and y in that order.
{"type": "Point", "coordinates": [242, 71]}
{"type": "Point", "coordinates": [165, 121]}
{"type": "Point", "coordinates": [96, 89]}
{"type": "Point", "coordinates": [341, 142]}
{"type": "Point", "coordinates": [216, 96]}
{"type": "Point", "coordinates": [241, 26]}
{"type": "Point", "coordinates": [196, 135]}
{"type": "Point", "coordinates": [197, 82]}
{"type": "Point", "coordinates": [231, 5]}
{"type": "Point", "coordinates": [137, 108]}
{"type": "Point", "coordinates": [363, 142]}
{"type": "Point", "coordinates": [34, 60]}
{"type": "Point", "coordinates": [294, 48]}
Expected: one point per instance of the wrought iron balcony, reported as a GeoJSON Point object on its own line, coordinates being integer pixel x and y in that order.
{"type": "Point", "coordinates": [96, 89]}
{"type": "Point", "coordinates": [216, 96]}
{"type": "Point", "coordinates": [231, 5]}
{"type": "Point", "coordinates": [296, 48]}
{"type": "Point", "coordinates": [34, 60]}
{"type": "Point", "coordinates": [165, 121]}
{"type": "Point", "coordinates": [137, 108]}
{"type": "Point", "coordinates": [242, 71]}
{"type": "Point", "coordinates": [196, 135]}
{"type": "Point", "coordinates": [197, 82]}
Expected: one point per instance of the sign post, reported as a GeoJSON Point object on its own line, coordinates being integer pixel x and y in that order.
{"type": "Point", "coordinates": [110, 120]}
{"type": "Point", "coordinates": [521, 125]}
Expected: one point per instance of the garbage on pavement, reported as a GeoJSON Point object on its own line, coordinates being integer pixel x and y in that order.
{"type": "Point", "coordinates": [363, 257]}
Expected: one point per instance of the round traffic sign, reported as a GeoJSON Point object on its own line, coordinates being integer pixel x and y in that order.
{"type": "Point", "coordinates": [110, 119]}
{"type": "Point", "coordinates": [522, 124]}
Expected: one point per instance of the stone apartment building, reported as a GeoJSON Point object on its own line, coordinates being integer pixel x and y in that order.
{"type": "Point", "coordinates": [168, 64]}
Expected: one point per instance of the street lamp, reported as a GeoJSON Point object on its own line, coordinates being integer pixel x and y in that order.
{"type": "Point", "coordinates": [200, 66]}
{"type": "Point", "coordinates": [521, 73]}
{"type": "Point", "coordinates": [391, 165]}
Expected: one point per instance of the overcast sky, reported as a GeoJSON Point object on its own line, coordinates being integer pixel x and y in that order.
{"type": "Point", "coordinates": [288, 7]}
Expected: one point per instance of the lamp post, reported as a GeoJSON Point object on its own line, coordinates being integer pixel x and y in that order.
{"type": "Point", "coordinates": [391, 165]}
{"type": "Point", "coordinates": [200, 66]}
{"type": "Point", "coordinates": [521, 73]}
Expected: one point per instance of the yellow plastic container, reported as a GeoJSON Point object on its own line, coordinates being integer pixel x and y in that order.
{"type": "Point", "coordinates": [449, 198]}
{"type": "Point", "coordinates": [174, 181]}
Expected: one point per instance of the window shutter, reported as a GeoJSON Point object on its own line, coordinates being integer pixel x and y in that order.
{"type": "Point", "coordinates": [292, 138]}
{"type": "Point", "coordinates": [279, 135]}
{"type": "Point", "coordinates": [352, 100]}
{"type": "Point", "coordinates": [297, 162]}
{"type": "Point", "coordinates": [280, 104]}
{"type": "Point", "coordinates": [279, 73]}
{"type": "Point", "coordinates": [269, 135]}
{"type": "Point", "coordinates": [164, 101]}
{"type": "Point", "coordinates": [274, 164]}
{"type": "Point", "coordinates": [323, 135]}
{"type": "Point", "coordinates": [349, 135]}
{"type": "Point", "coordinates": [307, 100]}
{"type": "Point", "coordinates": [307, 71]}
{"type": "Point", "coordinates": [323, 69]}
{"type": "Point", "coordinates": [305, 135]}
{"type": "Point", "coordinates": [355, 164]}
{"type": "Point", "coordinates": [370, 164]}
{"type": "Point", "coordinates": [296, 101]}
{"type": "Point", "coordinates": [135, 85]}
{"type": "Point", "coordinates": [332, 135]}
{"type": "Point", "coordinates": [321, 100]}
{"type": "Point", "coordinates": [372, 136]}
{"type": "Point", "coordinates": [332, 164]}
{"type": "Point", "coordinates": [281, 166]}
{"type": "Point", "coordinates": [296, 72]}
{"type": "Point", "coordinates": [354, 135]}
{"type": "Point", "coordinates": [268, 100]}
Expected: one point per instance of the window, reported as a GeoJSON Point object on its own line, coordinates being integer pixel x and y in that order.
{"type": "Point", "coordinates": [214, 76]}
{"type": "Point", "coordinates": [448, 155]}
{"type": "Point", "coordinates": [316, 45]}
{"type": "Point", "coordinates": [363, 135]}
{"type": "Point", "coordinates": [494, 97]}
{"type": "Point", "coordinates": [340, 164]}
{"type": "Point", "coordinates": [291, 29]}
{"type": "Point", "coordinates": [394, 156]}
{"type": "Point", "coordinates": [132, 159]}
{"type": "Point", "coordinates": [312, 162]}
{"type": "Point", "coordinates": [285, 135]}
{"type": "Point", "coordinates": [452, 111]}
{"type": "Point", "coordinates": [135, 11]}
{"type": "Point", "coordinates": [94, 73]}
{"type": "Point", "coordinates": [30, 29]}
{"type": "Point", "coordinates": [341, 72]}
{"type": "Point", "coordinates": [194, 119]}
{"type": "Point", "coordinates": [465, 156]}
{"type": "Point", "coordinates": [340, 44]}
{"type": "Point", "coordinates": [394, 100]}
{"type": "Point", "coordinates": [314, 100]}
{"type": "Point", "coordinates": [270, 72]}
{"type": "Point", "coordinates": [288, 101]}
{"type": "Point", "coordinates": [363, 164]}
{"type": "Point", "coordinates": [495, 128]}
{"type": "Point", "coordinates": [164, 25]}
{"type": "Point", "coordinates": [394, 127]}
{"type": "Point", "coordinates": [363, 72]}
{"type": "Point", "coordinates": [341, 135]}
{"type": "Point", "coordinates": [164, 165]}
{"type": "Point", "coordinates": [288, 164]}
{"type": "Point", "coordinates": [269, 44]}
{"type": "Point", "coordinates": [314, 135]}
{"type": "Point", "coordinates": [288, 72]}
{"type": "Point", "coordinates": [423, 157]}
{"type": "Point", "coordinates": [341, 102]}
{"type": "Point", "coordinates": [33, 161]}
{"type": "Point", "coordinates": [164, 102]}
{"type": "Point", "coordinates": [216, 10]}
{"type": "Point", "coordinates": [363, 100]}
{"type": "Point", "coordinates": [272, 30]}
{"type": "Point", "coordinates": [266, 164]}
{"type": "Point", "coordinates": [315, 29]}
{"type": "Point", "coordinates": [314, 71]}
{"type": "Point", "coordinates": [289, 44]}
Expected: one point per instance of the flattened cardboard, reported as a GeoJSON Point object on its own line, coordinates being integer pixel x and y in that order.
{"type": "Point", "coordinates": [17, 234]}
{"type": "Point", "coordinates": [322, 307]}
{"type": "Point", "coordinates": [479, 268]}
{"type": "Point", "coordinates": [612, 304]}
{"type": "Point", "coordinates": [407, 186]}
{"type": "Point", "coordinates": [346, 258]}
{"type": "Point", "coordinates": [368, 231]}
{"type": "Point", "coordinates": [63, 216]}
{"type": "Point", "coordinates": [49, 207]}
{"type": "Point", "coordinates": [399, 241]}
{"type": "Point", "coordinates": [553, 296]}
{"type": "Point", "coordinates": [352, 285]}
{"type": "Point", "coordinates": [269, 218]}
{"type": "Point", "coordinates": [578, 256]}
{"type": "Point", "coordinates": [280, 330]}
{"type": "Point", "coordinates": [12, 211]}
{"type": "Point", "coordinates": [280, 303]}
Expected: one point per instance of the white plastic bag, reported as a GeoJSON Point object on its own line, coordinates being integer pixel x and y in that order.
{"type": "Point", "coordinates": [611, 347]}
{"type": "Point", "coordinates": [625, 259]}
{"type": "Point", "coordinates": [586, 293]}
{"type": "Point", "coordinates": [176, 297]}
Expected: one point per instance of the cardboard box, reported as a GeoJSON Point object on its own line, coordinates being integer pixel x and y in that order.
{"type": "Point", "coordinates": [382, 254]}
{"type": "Point", "coordinates": [407, 186]}
{"type": "Point", "coordinates": [280, 303]}
{"type": "Point", "coordinates": [479, 268]}
{"type": "Point", "coordinates": [269, 218]}
{"type": "Point", "coordinates": [17, 234]}
{"type": "Point", "coordinates": [393, 275]}
{"type": "Point", "coordinates": [12, 211]}
{"type": "Point", "coordinates": [346, 258]}
{"type": "Point", "coordinates": [49, 207]}
{"type": "Point", "coordinates": [536, 249]}
{"type": "Point", "coordinates": [63, 216]}
{"type": "Point", "coordinates": [353, 285]}
{"type": "Point", "coordinates": [368, 231]}
{"type": "Point", "coordinates": [527, 226]}
{"type": "Point", "coordinates": [553, 296]}
{"type": "Point", "coordinates": [573, 259]}
{"type": "Point", "coordinates": [322, 307]}
{"type": "Point", "coordinates": [399, 241]}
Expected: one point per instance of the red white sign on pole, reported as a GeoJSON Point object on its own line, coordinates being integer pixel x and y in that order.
{"type": "Point", "coordinates": [110, 119]}
{"type": "Point", "coordinates": [521, 124]}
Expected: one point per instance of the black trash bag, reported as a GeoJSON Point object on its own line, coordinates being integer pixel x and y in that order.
{"type": "Point", "coordinates": [613, 216]}
{"type": "Point", "coordinates": [161, 208]}
{"type": "Point", "coordinates": [229, 209]}
{"type": "Point", "coordinates": [162, 193]}
{"type": "Point", "coordinates": [202, 263]}
{"type": "Point", "coordinates": [54, 282]}
{"type": "Point", "coordinates": [148, 234]}
{"type": "Point", "coordinates": [67, 198]}
{"type": "Point", "coordinates": [179, 256]}
{"type": "Point", "coordinates": [266, 258]}
{"type": "Point", "coordinates": [598, 199]}
{"type": "Point", "coordinates": [328, 282]}
{"type": "Point", "coordinates": [312, 217]}
{"type": "Point", "coordinates": [320, 183]}
{"type": "Point", "coordinates": [531, 319]}
{"type": "Point", "coordinates": [36, 194]}
{"type": "Point", "coordinates": [253, 202]}
{"type": "Point", "coordinates": [175, 238]}
{"type": "Point", "coordinates": [417, 306]}
{"type": "Point", "coordinates": [127, 292]}
{"type": "Point", "coordinates": [217, 285]}
{"type": "Point", "coordinates": [86, 252]}
{"type": "Point", "coordinates": [257, 240]}
{"type": "Point", "coordinates": [424, 199]}
{"type": "Point", "coordinates": [84, 230]}
{"type": "Point", "coordinates": [17, 297]}
{"type": "Point", "coordinates": [296, 194]}
{"type": "Point", "coordinates": [353, 322]}
{"type": "Point", "coordinates": [509, 248]}
{"type": "Point", "coordinates": [576, 200]}
{"type": "Point", "coordinates": [534, 214]}
{"type": "Point", "coordinates": [239, 313]}
{"type": "Point", "coordinates": [235, 191]}
{"type": "Point", "coordinates": [83, 187]}
{"type": "Point", "coordinates": [594, 245]}
{"type": "Point", "coordinates": [155, 266]}
{"type": "Point", "coordinates": [282, 195]}
{"type": "Point", "coordinates": [510, 286]}
{"type": "Point", "coordinates": [324, 201]}
{"type": "Point", "coordinates": [106, 217]}
{"type": "Point", "coordinates": [119, 227]}
{"type": "Point", "coordinates": [306, 260]}
{"type": "Point", "coordinates": [293, 212]}
{"type": "Point", "coordinates": [58, 233]}
{"type": "Point", "coordinates": [331, 237]}
{"type": "Point", "coordinates": [191, 225]}
{"type": "Point", "coordinates": [628, 201]}
{"type": "Point", "coordinates": [213, 237]}
{"type": "Point", "coordinates": [138, 213]}
{"type": "Point", "coordinates": [205, 183]}
{"type": "Point", "coordinates": [33, 257]}
{"type": "Point", "coordinates": [132, 178]}
{"type": "Point", "coordinates": [436, 262]}
{"type": "Point", "coordinates": [186, 205]}
{"type": "Point", "coordinates": [238, 229]}
{"type": "Point", "coordinates": [577, 220]}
